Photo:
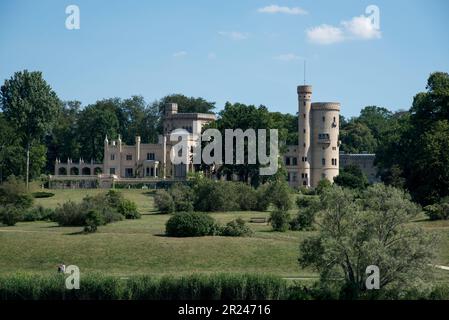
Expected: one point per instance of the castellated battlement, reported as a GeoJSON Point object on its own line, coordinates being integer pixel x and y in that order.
{"type": "Point", "coordinates": [329, 106]}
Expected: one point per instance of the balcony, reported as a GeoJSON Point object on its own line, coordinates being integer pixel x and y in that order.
{"type": "Point", "coordinates": [324, 138]}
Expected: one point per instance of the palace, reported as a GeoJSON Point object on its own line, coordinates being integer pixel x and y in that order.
{"type": "Point", "coordinates": [316, 157]}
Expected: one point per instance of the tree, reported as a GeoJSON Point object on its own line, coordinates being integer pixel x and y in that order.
{"type": "Point", "coordinates": [30, 105]}
{"type": "Point", "coordinates": [96, 122]}
{"type": "Point", "coordinates": [351, 177]}
{"type": "Point", "coordinates": [186, 104]}
{"type": "Point", "coordinates": [371, 231]}
{"type": "Point", "coordinates": [356, 137]}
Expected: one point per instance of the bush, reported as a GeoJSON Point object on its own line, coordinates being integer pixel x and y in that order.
{"type": "Point", "coordinates": [246, 196]}
{"type": "Point", "coordinates": [92, 221]}
{"type": "Point", "coordinates": [14, 192]}
{"type": "Point", "coordinates": [279, 193]}
{"type": "Point", "coordinates": [164, 202]}
{"type": "Point", "coordinates": [280, 220]}
{"type": "Point", "coordinates": [304, 220]}
{"type": "Point", "coordinates": [70, 214]}
{"type": "Point", "coordinates": [322, 185]}
{"type": "Point", "coordinates": [10, 215]}
{"type": "Point", "coordinates": [190, 224]}
{"type": "Point", "coordinates": [128, 209]}
{"type": "Point", "coordinates": [42, 194]}
{"type": "Point", "coordinates": [38, 213]}
{"type": "Point", "coordinates": [263, 197]}
{"type": "Point", "coordinates": [211, 195]}
{"type": "Point", "coordinates": [236, 228]}
{"type": "Point", "coordinates": [182, 197]}
{"type": "Point", "coordinates": [438, 211]}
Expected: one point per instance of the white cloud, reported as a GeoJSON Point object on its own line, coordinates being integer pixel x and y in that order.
{"type": "Point", "coordinates": [287, 57]}
{"type": "Point", "coordinates": [325, 34]}
{"type": "Point", "coordinates": [234, 35]}
{"type": "Point", "coordinates": [358, 28]}
{"type": "Point", "coordinates": [361, 28]}
{"type": "Point", "coordinates": [179, 54]}
{"type": "Point", "coordinates": [278, 9]}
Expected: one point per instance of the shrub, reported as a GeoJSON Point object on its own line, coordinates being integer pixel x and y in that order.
{"type": "Point", "coordinates": [279, 192]}
{"type": "Point", "coordinates": [42, 194]}
{"type": "Point", "coordinates": [92, 221]}
{"type": "Point", "coordinates": [322, 185]}
{"type": "Point", "coordinates": [10, 215]}
{"type": "Point", "coordinates": [113, 198]}
{"type": "Point", "coordinates": [38, 213]}
{"type": "Point", "coordinates": [182, 197]}
{"type": "Point", "coordinates": [70, 214]}
{"type": "Point", "coordinates": [190, 224]}
{"type": "Point", "coordinates": [164, 202]}
{"type": "Point", "coordinates": [14, 192]}
{"type": "Point", "coordinates": [246, 196]}
{"type": "Point", "coordinates": [128, 209]}
{"type": "Point", "coordinates": [263, 197]}
{"type": "Point", "coordinates": [304, 220]}
{"type": "Point", "coordinates": [438, 211]}
{"type": "Point", "coordinates": [236, 228]}
{"type": "Point", "coordinates": [213, 195]}
{"type": "Point", "coordinates": [280, 220]}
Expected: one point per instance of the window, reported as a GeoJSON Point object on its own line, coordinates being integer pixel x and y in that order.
{"type": "Point", "coordinates": [294, 177]}
{"type": "Point", "coordinates": [111, 170]}
{"type": "Point", "coordinates": [112, 157]}
{"type": "Point", "coordinates": [287, 161]}
{"type": "Point", "coordinates": [304, 115]}
{"type": "Point", "coordinates": [304, 130]}
{"type": "Point", "coordinates": [150, 156]}
{"type": "Point", "coordinates": [288, 176]}
{"type": "Point", "coordinates": [147, 171]}
{"type": "Point", "coordinates": [324, 119]}
{"type": "Point", "coordinates": [128, 172]}
{"type": "Point", "coordinates": [323, 161]}
{"type": "Point", "coordinates": [295, 161]}
{"type": "Point", "coordinates": [129, 157]}
{"type": "Point", "coordinates": [304, 145]}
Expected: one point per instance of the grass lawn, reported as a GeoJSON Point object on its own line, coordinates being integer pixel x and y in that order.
{"type": "Point", "coordinates": [133, 247]}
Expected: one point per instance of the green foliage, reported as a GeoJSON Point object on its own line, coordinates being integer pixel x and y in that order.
{"type": "Point", "coordinates": [92, 221]}
{"type": "Point", "coordinates": [42, 194]}
{"type": "Point", "coordinates": [280, 193]}
{"type": "Point", "coordinates": [128, 209]}
{"type": "Point", "coordinates": [190, 287]}
{"type": "Point", "coordinates": [356, 137]}
{"type": "Point", "coordinates": [352, 177]}
{"type": "Point", "coordinates": [38, 213]}
{"type": "Point", "coordinates": [190, 224]}
{"type": "Point", "coordinates": [280, 220]}
{"type": "Point", "coordinates": [438, 211]}
{"type": "Point", "coordinates": [236, 228]}
{"type": "Point", "coordinates": [109, 206]}
{"type": "Point", "coordinates": [417, 144]}
{"type": "Point", "coordinates": [164, 202]}
{"type": "Point", "coordinates": [213, 195]}
{"type": "Point", "coordinates": [372, 230]}
{"type": "Point", "coordinates": [247, 197]}
{"type": "Point", "coordinates": [30, 106]}
{"type": "Point", "coordinates": [10, 215]}
{"type": "Point", "coordinates": [182, 197]}
{"type": "Point", "coordinates": [262, 197]}
{"type": "Point", "coordinates": [322, 185]}
{"type": "Point", "coordinates": [14, 192]}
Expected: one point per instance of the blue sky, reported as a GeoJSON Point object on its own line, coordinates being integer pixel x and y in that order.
{"type": "Point", "coordinates": [236, 50]}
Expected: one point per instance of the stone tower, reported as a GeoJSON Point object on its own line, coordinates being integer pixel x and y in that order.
{"type": "Point", "coordinates": [318, 139]}
{"type": "Point", "coordinates": [304, 122]}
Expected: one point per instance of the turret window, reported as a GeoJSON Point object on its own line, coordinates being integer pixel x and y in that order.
{"type": "Point", "coordinates": [323, 161]}
{"type": "Point", "coordinates": [112, 157]}
{"type": "Point", "coordinates": [129, 157]}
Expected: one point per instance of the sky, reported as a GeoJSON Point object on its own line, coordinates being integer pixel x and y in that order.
{"type": "Point", "coordinates": [244, 51]}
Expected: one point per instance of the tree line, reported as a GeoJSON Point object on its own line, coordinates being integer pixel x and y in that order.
{"type": "Point", "coordinates": [36, 127]}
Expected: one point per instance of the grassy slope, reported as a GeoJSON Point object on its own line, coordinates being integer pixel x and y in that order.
{"type": "Point", "coordinates": [139, 246]}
